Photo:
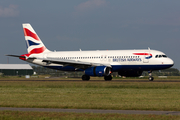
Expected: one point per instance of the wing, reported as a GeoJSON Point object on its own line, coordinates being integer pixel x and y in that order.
{"type": "Point", "coordinates": [77, 64]}
{"type": "Point", "coordinates": [74, 63]}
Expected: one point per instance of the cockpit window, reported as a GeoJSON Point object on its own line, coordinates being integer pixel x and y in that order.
{"type": "Point", "coordinates": [159, 56]}
{"type": "Point", "coordinates": [164, 56]}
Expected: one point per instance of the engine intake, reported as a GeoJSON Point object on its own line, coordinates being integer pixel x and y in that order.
{"type": "Point", "coordinates": [98, 71]}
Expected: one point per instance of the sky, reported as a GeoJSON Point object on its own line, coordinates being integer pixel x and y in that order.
{"type": "Point", "coordinates": [68, 25]}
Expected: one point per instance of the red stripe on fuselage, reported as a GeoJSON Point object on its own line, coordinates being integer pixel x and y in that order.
{"type": "Point", "coordinates": [142, 54]}
{"type": "Point", "coordinates": [37, 50]}
{"type": "Point", "coordinates": [30, 34]}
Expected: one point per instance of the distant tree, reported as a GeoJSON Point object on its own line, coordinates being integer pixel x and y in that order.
{"type": "Point", "coordinates": [43, 70]}
{"type": "Point", "coordinates": [165, 72]}
{"type": "Point", "coordinates": [55, 73]}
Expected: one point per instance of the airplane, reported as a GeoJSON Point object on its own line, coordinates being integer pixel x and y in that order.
{"type": "Point", "coordinates": [101, 63]}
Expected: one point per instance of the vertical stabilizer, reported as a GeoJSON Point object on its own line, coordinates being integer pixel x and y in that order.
{"type": "Point", "coordinates": [33, 42]}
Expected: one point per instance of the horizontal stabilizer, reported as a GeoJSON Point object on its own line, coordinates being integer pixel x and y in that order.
{"type": "Point", "coordinates": [16, 56]}
{"type": "Point", "coordinates": [20, 56]}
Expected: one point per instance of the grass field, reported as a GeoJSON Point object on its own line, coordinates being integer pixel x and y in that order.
{"type": "Point", "coordinates": [91, 95]}
{"type": "Point", "coordinates": [88, 94]}
{"type": "Point", "coordinates": [16, 115]}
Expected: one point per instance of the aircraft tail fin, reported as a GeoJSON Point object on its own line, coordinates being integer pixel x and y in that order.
{"type": "Point", "coordinates": [33, 42]}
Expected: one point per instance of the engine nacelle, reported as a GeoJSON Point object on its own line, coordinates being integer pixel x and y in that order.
{"type": "Point", "coordinates": [98, 71]}
{"type": "Point", "coordinates": [130, 73]}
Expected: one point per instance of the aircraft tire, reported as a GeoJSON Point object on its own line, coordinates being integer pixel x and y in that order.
{"type": "Point", "coordinates": [85, 77]}
{"type": "Point", "coordinates": [151, 78]}
{"type": "Point", "coordinates": [108, 78]}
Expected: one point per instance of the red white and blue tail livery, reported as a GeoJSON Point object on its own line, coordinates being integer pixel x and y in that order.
{"type": "Point", "coordinates": [34, 43]}
{"type": "Point", "coordinates": [129, 63]}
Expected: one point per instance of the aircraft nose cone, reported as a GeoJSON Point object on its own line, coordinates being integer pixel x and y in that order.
{"type": "Point", "coordinates": [170, 62]}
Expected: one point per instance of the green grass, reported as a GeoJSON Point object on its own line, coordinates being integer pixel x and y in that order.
{"type": "Point", "coordinates": [91, 95]}
{"type": "Point", "coordinates": [17, 115]}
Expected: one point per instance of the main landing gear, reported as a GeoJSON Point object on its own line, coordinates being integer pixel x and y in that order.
{"type": "Point", "coordinates": [87, 78]}
{"type": "Point", "coordinates": [108, 78]}
{"type": "Point", "coordinates": [150, 76]}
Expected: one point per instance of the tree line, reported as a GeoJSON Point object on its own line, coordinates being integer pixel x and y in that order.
{"type": "Point", "coordinates": [57, 73]}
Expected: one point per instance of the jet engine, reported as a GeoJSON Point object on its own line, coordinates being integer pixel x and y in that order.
{"type": "Point", "coordinates": [98, 71]}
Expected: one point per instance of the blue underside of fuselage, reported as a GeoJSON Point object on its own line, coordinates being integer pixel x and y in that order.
{"type": "Point", "coordinates": [116, 68]}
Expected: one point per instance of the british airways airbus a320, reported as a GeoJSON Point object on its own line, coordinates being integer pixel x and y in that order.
{"type": "Point", "coordinates": [129, 63]}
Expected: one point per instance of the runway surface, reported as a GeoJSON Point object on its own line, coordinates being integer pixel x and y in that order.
{"type": "Point", "coordinates": [91, 111]}
{"type": "Point", "coordinates": [54, 80]}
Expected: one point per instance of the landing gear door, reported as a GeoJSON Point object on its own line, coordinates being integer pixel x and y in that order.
{"type": "Point", "coordinates": [146, 57]}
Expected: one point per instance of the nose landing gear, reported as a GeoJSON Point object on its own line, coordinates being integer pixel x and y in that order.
{"type": "Point", "coordinates": [150, 76]}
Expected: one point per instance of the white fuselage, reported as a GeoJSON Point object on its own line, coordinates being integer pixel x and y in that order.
{"type": "Point", "coordinates": [118, 59]}
{"type": "Point", "coordinates": [94, 63]}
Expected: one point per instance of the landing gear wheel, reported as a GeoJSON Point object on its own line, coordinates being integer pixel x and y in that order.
{"type": "Point", "coordinates": [151, 78]}
{"type": "Point", "coordinates": [108, 78]}
{"type": "Point", "coordinates": [85, 77]}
